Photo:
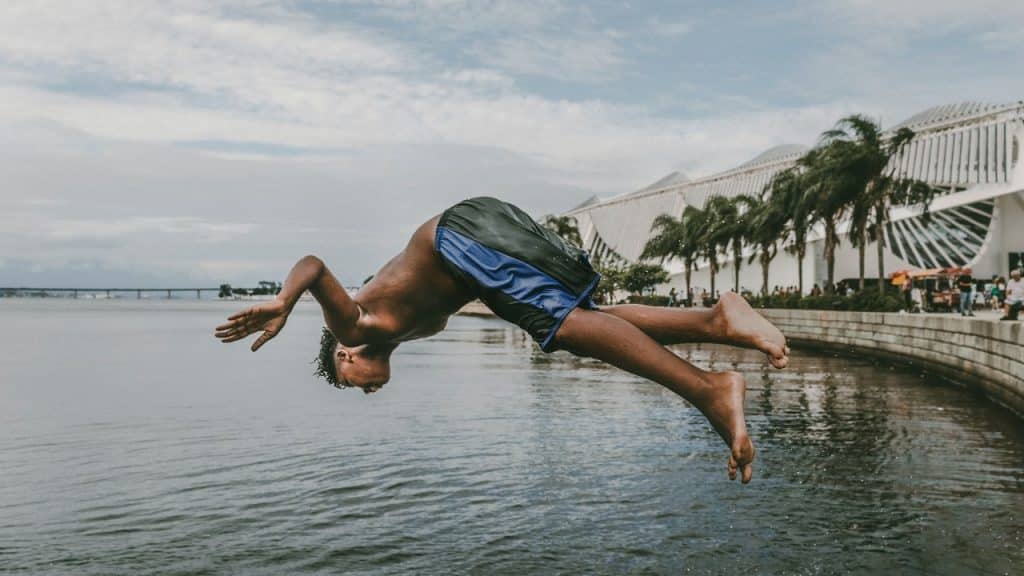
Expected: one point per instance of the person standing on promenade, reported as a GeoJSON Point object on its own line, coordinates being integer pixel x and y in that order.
{"type": "Point", "coordinates": [486, 249]}
{"type": "Point", "coordinates": [905, 288]}
{"type": "Point", "coordinates": [965, 284]}
{"type": "Point", "coordinates": [1014, 296]}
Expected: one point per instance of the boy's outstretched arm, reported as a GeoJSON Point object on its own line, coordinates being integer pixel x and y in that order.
{"type": "Point", "coordinates": [310, 273]}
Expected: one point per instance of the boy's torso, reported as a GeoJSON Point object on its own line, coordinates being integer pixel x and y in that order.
{"type": "Point", "coordinates": [413, 295]}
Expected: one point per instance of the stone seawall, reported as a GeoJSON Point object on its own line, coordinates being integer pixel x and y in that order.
{"type": "Point", "coordinates": [985, 355]}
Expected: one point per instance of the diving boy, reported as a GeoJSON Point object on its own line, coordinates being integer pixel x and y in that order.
{"type": "Point", "coordinates": [484, 248]}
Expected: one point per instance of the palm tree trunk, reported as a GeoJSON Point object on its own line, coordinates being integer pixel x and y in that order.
{"type": "Point", "coordinates": [764, 273]}
{"type": "Point", "coordinates": [880, 227]}
{"type": "Point", "coordinates": [737, 254]}
{"type": "Point", "coordinates": [713, 268]}
{"type": "Point", "coordinates": [830, 255]}
{"type": "Point", "coordinates": [861, 249]}
{"type": "Point", "coordinates": [689, 270]}
{"type": "Point", "coordinates": [800, 253]}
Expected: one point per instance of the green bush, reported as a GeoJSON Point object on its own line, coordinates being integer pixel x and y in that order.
{"type": "Point", "coordinates": [648, 300]}
{"type": "Point", "coordinates": [866, 301]}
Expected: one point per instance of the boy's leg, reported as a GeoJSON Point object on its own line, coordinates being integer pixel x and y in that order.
{"type": "Point", "coordinates": [719, 396]}
{"type": "Point", "coordinates": [732, 321]}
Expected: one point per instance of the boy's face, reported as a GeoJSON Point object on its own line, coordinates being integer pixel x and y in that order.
{"type": "Point", "coordinates": [367, 367]}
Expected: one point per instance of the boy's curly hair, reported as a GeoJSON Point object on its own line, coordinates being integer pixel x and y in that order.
{"type": "Point", "coordinates": [325, 360]}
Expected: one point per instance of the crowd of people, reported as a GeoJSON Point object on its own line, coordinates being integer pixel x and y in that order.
{"type": "Point", "coordinates": [964, 291]}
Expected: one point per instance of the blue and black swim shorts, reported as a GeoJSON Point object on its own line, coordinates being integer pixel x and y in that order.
{"type": "Point", "coordinates": [523, 272]}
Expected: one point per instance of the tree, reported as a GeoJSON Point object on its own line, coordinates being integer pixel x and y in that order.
{"type": "Point", "coordinates": [566, 227]}
{"type": "Point", "coordinates": [828, 195]}
{"type": "Point", "coordinates": [787, 190]}
{"type": "Point", "coordinates": [640, 278]}
{"type": "Point", "coordinates": [767, 220]}
{"type": "Point", "coordinates": [697, 228]}
{"type": "Point", "coordinates": [729, 229]}
{"type": "Point", "coordinates": [865, 166]}
{"type": "Point", "coordinates": [669, 240]}
{"type": "Point", "coordinates": [611, 281]}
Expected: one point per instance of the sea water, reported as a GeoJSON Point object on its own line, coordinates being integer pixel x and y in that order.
{"type": "Point", "coordinates": [132, 441]}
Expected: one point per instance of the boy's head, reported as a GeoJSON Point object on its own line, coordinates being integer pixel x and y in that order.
{"type": "Point", "coordinates": [367, 367]}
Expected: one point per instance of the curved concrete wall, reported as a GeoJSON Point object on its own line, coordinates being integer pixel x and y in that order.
{"type": "Point", "coordinates": [980, 354]}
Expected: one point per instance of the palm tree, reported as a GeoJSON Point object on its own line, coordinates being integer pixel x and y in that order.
{"type": "Point", "coordinates": [695, 228]}
{"type": "Point", "coordinates": [741, 230]}
{"type": "Point", "coordinates": [669, 240]}
{"type": "Point", "coordinates": [854, 139]}
{"type": "Point", "coordinates": [767, 219]}
{"type": "Point", "coordinates": [686, 239]}
{"type": "Point", "coordinates": [698, 226]}
{"type": "Point", "coordinates": [729, 230]}
{"type": "Point", "coordinates": [866, 166]}
{"type": "Point", "coordinates": [788, 191]}
{"type": "Point", "coordinates": [828, 193]}
{"type": "Point", "coordinates": [566, 227]}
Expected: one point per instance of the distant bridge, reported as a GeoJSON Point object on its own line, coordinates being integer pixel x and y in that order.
{"type": "Point", "coordinates": [15, 291]}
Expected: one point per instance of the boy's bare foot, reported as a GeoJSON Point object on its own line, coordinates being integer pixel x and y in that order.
{"type": "Point", "coordinates": [724, 409]}
{"type": "Point", "coordinates": [741, 325]}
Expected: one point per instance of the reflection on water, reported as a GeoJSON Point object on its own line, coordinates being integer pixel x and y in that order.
{"type": "Point", "coordinates": [133, 442]}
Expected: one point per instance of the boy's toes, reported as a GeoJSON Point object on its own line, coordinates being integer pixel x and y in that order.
{"type": "Point", "coordinates": [777, 355]}
{"type": "Point", "coordinates": [741, 460]}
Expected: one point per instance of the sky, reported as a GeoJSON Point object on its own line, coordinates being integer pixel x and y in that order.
{"type": "Point", "coordinates": [197, 142]}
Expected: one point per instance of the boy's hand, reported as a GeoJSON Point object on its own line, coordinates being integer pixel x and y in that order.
{"type": "Point", "coordinates": [266, 316]}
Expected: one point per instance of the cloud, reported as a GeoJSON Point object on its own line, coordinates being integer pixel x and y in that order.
{"type": "Point", "coordinates": [198, 229]}
{"type": "Point", "coordinates": [198, 74]}
{"type": "Point", "coordinates": [591, 56]}
{"type": "Point", "coordinates": [260, 79]}
{"type": "Point", "coordinates": [670, 28]}
{"type": "Point", "coordinates": [155, 208]}
{"type": "Point", "coordinates": [933, 17]}
{"type": "Point", "coordinates": [220, 141]}
{"type": "Point", "coordinates": [473, 16]}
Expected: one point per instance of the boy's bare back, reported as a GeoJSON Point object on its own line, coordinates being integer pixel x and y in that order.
{"type": "Point", "coordinates": [413, 295]}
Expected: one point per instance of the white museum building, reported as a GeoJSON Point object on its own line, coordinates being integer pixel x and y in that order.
{"type": "Point", "coordinates": [971, 150]}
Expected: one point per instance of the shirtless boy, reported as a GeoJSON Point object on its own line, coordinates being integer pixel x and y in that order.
{"type": "Point", "coordinates": [485, 248]}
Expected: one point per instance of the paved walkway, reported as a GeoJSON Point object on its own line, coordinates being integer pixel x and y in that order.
{"type": "Point", "coordinates": [987, 315]}
{"type": "Point", "coordinates": [477, 308]}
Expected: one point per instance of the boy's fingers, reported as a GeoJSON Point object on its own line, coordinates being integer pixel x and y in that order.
{"type": "Point", "coordinates": [238, 315]}
{"type": "Point", "coordinates": [261, 340]}
{"type": "Point", "coordinates": [250, 325]}
{"type": "Point", "coordinates": [230, 333]}
{"type": "Point", "coordinates": [748, 472]}
{"type": "Point", "coordinates": [236, 328]}
{"type": "Point", "coordinates": [239, 321]}
{"type": "Point", "coordinates": [732, 468]}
